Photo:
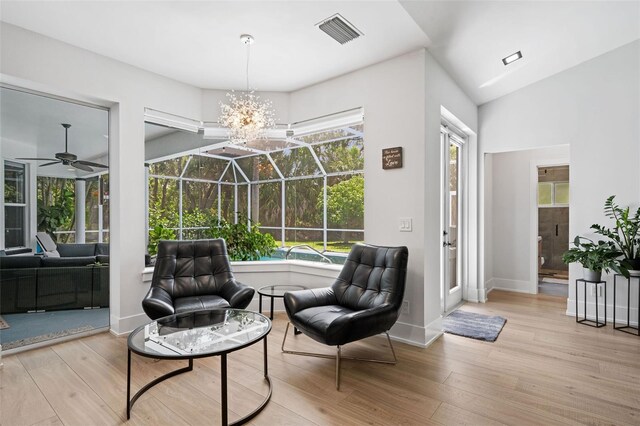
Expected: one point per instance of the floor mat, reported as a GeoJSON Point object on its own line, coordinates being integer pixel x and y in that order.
{"type": "Point", "coordinates": [475, 326]}
{"type": "Point", "coordinates": [35, 327]}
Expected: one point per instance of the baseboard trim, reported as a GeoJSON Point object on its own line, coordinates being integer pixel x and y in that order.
{"type": "Point", "coordinates": [511, 290]}
{"type": "Point", "coordinates": [519, 286]}
{"type": "Point", "coordinates": [125, 325]}
{"type": "Point", "coordinates": [621, 312]}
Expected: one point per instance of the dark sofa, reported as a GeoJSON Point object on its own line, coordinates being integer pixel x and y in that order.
{"type": "Point", "coordinates": [71, 281]}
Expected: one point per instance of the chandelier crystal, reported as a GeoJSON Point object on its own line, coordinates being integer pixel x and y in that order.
{"type": "Point", "coordinates": [246, 116]}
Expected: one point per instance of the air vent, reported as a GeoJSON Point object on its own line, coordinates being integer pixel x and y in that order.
{"type": "Point", "coordinates": [339, 29]}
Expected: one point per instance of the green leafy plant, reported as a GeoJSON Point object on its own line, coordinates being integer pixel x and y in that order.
{"type": "Point", "coordinates": [625, 232]}
{"type": "Point", "coordinates": [157, 233]}
{"type": "Point", "coordinates": [595, 256]}
{"type": "Point", "coordinates": [244, 242]}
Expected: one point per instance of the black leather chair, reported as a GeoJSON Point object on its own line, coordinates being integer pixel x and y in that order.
{"type": "Point", "coordinates": [365, 300]}
{"type": "Point", "coordinates": [193, 275]}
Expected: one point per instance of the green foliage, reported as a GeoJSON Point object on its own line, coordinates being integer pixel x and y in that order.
{"type": "Point", "coordinates": [345, 202]}
{"type": "Point", "coordinates": [625, 233]}
{"type": "Point", "coordinates": [243, 242]}
{"type": "Point", "coordinates": [157, 233]}
{"type": "Point", "coordinates": [600, 256]}
{"type": "Point", "coordinates": [56, 208]}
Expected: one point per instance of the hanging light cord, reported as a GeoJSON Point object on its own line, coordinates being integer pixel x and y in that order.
{"type": "Point", "coordinates": [248, 56]}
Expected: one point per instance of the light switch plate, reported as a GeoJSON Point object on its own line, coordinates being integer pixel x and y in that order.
{"type": "Point", "coordinates": [405, 224]}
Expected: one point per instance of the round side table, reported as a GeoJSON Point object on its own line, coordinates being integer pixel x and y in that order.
{"type": "Point", "coordinates": [276, 291]}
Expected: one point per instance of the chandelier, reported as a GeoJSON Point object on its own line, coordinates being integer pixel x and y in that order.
{"type": "Point", "coordinates": [246, 116]}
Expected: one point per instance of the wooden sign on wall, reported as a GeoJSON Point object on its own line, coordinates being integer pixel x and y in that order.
{"type": "Point", "coordinates": [392, 158]}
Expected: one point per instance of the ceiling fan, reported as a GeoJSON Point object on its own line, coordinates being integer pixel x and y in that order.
{"type": "Point", "coordinates": [66, 158]}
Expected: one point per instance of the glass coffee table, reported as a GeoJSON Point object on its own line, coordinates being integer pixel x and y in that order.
{"type": "Point", "coordinates": [200, 334]}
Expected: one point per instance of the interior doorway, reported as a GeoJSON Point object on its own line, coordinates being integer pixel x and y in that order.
{"type": "Point", "coordinates": [553, 229]}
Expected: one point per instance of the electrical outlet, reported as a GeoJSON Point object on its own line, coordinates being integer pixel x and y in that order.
{"type": "Point", "coordinates": [405, 307]}
{"type": "Point", "coordinates": [596, 288]}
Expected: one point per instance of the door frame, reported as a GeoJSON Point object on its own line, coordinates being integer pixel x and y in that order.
{"type": "Point", "coordinates": [462, 252]}
{"type": "Point", "coordinates": [533, 208]}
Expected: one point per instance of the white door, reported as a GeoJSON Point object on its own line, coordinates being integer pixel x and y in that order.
{"type": "Point", "coordinates": [452, 250]}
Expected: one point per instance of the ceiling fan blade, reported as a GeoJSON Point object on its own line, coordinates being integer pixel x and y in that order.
{"type": "Point", "coordinates": [81, 166]}
{"type": "Point", "coordinates": [38, 159]}
{"type": "Point", "coordinates": [51, 163]}
{"type": "Point", "coordinates": [90, 163]}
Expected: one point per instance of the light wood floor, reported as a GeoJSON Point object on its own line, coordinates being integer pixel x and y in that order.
{"type": "Point", "coordinates": [544, 369]}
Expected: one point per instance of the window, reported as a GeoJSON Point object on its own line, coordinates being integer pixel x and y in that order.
{"type": "Point", "coordinates": [15, 207]}
{"type": "Point", "coordinates": [306, 189]}
{"type": "Point", "coordinates": [552, 194]}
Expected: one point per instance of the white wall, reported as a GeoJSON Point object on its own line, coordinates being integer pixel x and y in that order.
{"type": "Point", "coordinates": [40, 63]}
{"type": "Point", "coordinates": [594, 108]}
{"type": "Point", "coordinates": [401, 98]}
{"type": "Point", "coordinates": [392, 95]}
{"type": "Point", "coordinates": [443, 92]}
{"type": "Point", "coordinates": [514, 219]}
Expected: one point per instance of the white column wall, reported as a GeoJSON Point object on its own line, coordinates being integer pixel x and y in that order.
{"type": "Point", "coordinates": [402, 98]}
{"type": "Point", "coordinates": [41, 63]}
{"type": "Point", "coordinates": [392, 95]}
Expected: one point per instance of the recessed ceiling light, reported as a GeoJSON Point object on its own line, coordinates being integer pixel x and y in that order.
{"type": "Point", "coordinates": [512, 58]}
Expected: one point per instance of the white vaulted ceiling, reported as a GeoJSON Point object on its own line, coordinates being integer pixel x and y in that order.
{"type": "Point", "coordinates": [470, 38]}
{"type": "Point", "coordinates": [198, 42]}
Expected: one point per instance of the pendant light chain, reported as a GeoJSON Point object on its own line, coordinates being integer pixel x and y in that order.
{"type": "Point", "coordinates": [248, 56]}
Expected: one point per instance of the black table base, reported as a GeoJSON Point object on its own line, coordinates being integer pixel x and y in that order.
{"type": "Point", "coordinates": [584, 321]}
{"type": "Point", "coordinates": [626, 328]}
{"type": "Point", "coordinates": [223, 386]}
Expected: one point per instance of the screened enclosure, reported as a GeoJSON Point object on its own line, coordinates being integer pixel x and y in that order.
{"type": "Point", "coordinates": [302, 189]}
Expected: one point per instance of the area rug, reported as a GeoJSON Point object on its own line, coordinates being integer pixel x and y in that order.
{"type": "Point", "coordinates": [3, 324]}
{"type": "Point", "coordinates": [475, 326]}
{"type": "Point", "coordinates": [44, 337]}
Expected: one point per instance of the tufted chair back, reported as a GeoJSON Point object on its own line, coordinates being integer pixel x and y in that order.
{"type": "Point", "coordinates": [191, 268]}
{"type": "Point", "coordinates": [372, 276]}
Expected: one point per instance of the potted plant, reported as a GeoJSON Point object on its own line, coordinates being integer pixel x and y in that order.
{"type": "Point", "coordinates": [625, 233]}
{"type": "Point", "coordinates": [595, 258]}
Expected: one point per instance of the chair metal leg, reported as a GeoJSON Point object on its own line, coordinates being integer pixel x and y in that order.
{"type": "Point", "coordinates": [338, 368]}
{"type": "Point", "coordinates": [338, 357]}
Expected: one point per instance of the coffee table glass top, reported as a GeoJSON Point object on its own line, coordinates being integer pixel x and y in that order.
{"type": "Point", "coordinates": [279, 290]}
{"type": "Point", "coordinates": [199, 333]}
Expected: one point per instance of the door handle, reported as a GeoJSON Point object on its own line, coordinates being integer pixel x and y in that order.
{"type": "Point", "coordinates": [556, 229]}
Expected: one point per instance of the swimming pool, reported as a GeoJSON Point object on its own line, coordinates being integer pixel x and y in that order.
{"type": "Point", "coordinates": [279, 254]}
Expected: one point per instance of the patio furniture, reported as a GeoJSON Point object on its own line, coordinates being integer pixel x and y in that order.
{"type": "Point", "coordinates": [193, 275]}
{"type": "Point", "coordinates": [364, 300]}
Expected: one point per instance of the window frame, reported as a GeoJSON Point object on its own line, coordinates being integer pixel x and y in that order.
{"type": "Point", "coordinates": [24, 205]}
